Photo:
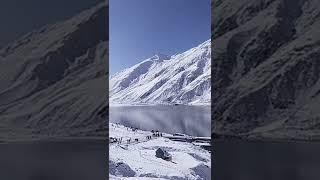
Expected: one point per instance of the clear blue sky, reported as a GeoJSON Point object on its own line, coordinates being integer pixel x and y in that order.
{"type": "Point", "coordinates": [141, 28]}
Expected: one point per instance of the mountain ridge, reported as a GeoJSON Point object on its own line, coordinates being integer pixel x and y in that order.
{"type": "Point", "coordinates": [265, 69]}
{"type": "Point", "coordinates": [50, 79]}
{"type": "Point", "coordinates": [161, 80]}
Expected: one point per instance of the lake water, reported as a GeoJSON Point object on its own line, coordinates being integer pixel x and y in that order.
{"type": "Point", "coordinates": [266, 161]}
{"type": "Point", "coordinates": [67, 160]}
{"type": "Point", "coordinates": [191, 120]}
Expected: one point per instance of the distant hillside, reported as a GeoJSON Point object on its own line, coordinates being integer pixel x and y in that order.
{"type": "Point", "coordinates": [51, 79]}
{"type": "Point", "coordinates": [266, 68]}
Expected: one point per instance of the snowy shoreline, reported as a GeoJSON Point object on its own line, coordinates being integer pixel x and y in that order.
{"type": "Point", "coordinates": [128, 105]}
{"type": "Point", "coordinates": [137, 160]}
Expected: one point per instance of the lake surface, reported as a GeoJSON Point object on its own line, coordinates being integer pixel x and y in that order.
{"type": "Point", "coordinates": [266, 161]}
{"type": "Point", "coordinates": [191, 120]}
{"type": "Point", "coordinates": [68, 160]}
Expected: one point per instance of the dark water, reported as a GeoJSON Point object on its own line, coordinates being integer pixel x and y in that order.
{"type": "Point", "coordinates": [70, 160]}
{"type": "Point", "coordinates": [266, 161]}
{"type": "Point", "coordinates": [191, 120]}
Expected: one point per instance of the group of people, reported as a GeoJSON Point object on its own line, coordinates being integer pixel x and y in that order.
{"type": "Point", "coordinates": [132, 128]}
{"type": "Point", "coordinates": [116, 140]}
{"type": "Point", "coordinates": [119, 140]}
{"type": "Point", "coordinates": [156, 133]}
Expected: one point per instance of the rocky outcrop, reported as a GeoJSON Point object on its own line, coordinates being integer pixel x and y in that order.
{"type": "Point", "coordinates": [265, 72]}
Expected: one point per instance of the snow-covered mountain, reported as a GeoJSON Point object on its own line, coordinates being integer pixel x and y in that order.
{"type": "Point", "coordinates": [182, 78]}
{"type": "Point", "coordinates": [266, 68]}
{"type": "Point", "coordinates": [51, 80]}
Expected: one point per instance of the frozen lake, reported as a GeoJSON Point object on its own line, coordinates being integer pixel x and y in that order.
{"type": "Point", "coordinates": [191, 120]}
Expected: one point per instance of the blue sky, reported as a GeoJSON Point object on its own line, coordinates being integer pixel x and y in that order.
{"type": "Point", "coordinates": [141, 28]}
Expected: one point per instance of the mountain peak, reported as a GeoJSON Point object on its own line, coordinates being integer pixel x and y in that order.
{"type": "Point", "coordinates": [206, 43]}
{"type": "Point", "coordinates": [160, 56]}
{"type": "Point", "coordinates": [182, 78]}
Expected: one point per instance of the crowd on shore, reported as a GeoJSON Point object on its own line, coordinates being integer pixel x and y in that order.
{"type": "Point", "coordinates": [155, 133]}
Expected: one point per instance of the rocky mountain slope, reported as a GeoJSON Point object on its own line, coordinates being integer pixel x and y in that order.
{"type": "Point", "coordinates": [183, 78]}
{"type": "Point", "coordinates": [266, 68]}
{"type": "Point", "coordinates": [51, 80]}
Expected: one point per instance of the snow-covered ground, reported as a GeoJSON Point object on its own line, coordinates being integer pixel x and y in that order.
{"type": "Point", "coordinates": [137, 160]}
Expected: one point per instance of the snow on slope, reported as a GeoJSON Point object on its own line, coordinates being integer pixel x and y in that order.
{"type": "Point", "coordinates": [266, 69]}
{"type": "Point", "coordinates": [182, 78]}
{"type": "Point", "coordinates": [51, 79]}
{"type": "Point", "coordinates": [138, 161]}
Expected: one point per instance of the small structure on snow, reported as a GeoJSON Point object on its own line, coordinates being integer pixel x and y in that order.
{"type": "Point", "coordinates": [178, 134]}
{"type": "Point", "coordinates": [163, 154]}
